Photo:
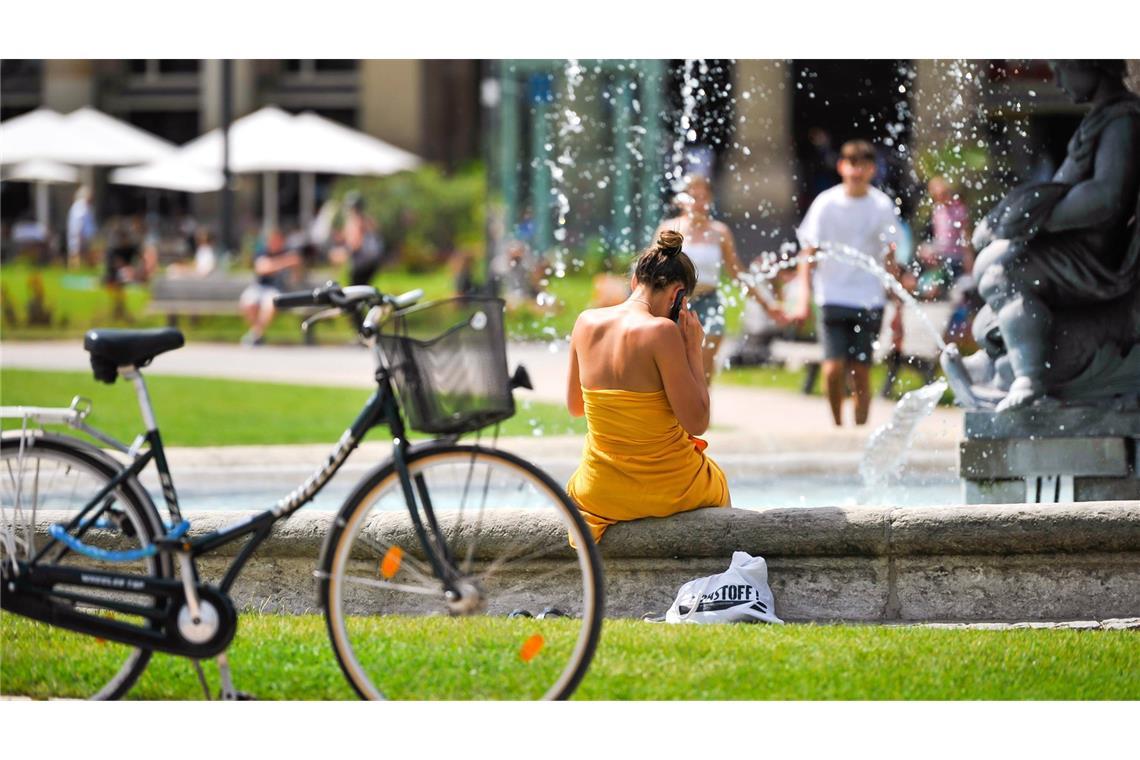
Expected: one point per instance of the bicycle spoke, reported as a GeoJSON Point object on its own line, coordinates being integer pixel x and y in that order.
{"type": "Point", "coordinates": [482, 506]}
{"type": "Point", "coordinates": [417, 568]}
{"type": "Point", "coordinates": [501, 562]}
{"type": "Point", "coordinates": [360, 580]}
{"type": "Point", "coordinates": [534, 580]}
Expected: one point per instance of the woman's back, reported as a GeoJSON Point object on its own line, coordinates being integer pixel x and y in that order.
{"type": "Point", "coordinates": [614, 347]}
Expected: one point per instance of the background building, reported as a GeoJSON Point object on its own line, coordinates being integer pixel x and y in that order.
{"type": "Point", "coordinates": [428, 107]}
{"type": "Point", "coordinates": [582, 155]}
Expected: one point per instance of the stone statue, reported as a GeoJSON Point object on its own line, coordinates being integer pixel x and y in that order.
{"type": "Point", "coordinates": [1059, 265]}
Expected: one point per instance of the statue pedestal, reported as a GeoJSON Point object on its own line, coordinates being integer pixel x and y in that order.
{"type": "Point", "coordinates": [1052, 452]}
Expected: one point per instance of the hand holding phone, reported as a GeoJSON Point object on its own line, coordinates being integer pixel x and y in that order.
{"type": "Point", "coordinates": [675, 309]}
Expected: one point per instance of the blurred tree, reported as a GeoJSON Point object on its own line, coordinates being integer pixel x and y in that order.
{"type": "Point", "coordinates": [425, 215]}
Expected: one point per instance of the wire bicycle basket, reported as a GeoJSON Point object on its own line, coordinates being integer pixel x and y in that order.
{"type": "Point", "coordinates": [449, 361]}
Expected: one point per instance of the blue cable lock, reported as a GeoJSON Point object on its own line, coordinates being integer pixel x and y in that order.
{"type": "Point", "coordinates": [59, 533]}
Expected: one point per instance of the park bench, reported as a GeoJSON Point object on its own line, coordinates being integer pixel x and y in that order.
{"type": "Point", "coordinates": [215, 295]}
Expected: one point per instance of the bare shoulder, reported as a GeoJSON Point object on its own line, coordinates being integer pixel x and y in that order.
{"type": "Point", "coordinates": [659, 331]}
{"type": "Point", "coordinates": [720, 229]}
{"type": "Point", "coordinates": [590, 320]}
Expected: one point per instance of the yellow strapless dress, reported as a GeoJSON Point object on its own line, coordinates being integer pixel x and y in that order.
{"type": "Point", "coordinates": [639, 462]}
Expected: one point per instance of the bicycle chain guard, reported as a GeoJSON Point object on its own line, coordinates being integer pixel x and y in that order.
{"type": "Point", "coordinates": [31, 592]}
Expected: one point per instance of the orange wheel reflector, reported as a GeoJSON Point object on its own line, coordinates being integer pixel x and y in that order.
{"type": "Point", "coordinates": [531, 647]}
{"type": "Point", "coordinates": [390, 565]}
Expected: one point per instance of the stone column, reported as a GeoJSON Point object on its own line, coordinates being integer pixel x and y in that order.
{"type": "Point", "coordinates": [210, 92]}
{"type": "Point", "coordinates": [757, 174]}
{"type": "Point", "coordinates": [621, 216]}
{"type": "Point", "coordinates": [207, 206]}
{"type": "Point", "coordinates": [539, 172]}
{"type": "Point", "coordinates": [391, 102]}
{"type": "Point", "coordinates": [649, 90]}
{"type": "Point", "coordinates": [945, 97]}
{"type": "Point", "coordinates": [508, 147]}
{"type": "Point", "coordinates": [68, 85]}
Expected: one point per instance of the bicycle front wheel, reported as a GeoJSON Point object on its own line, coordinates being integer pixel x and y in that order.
{"type": "Point", "coordinates": [46, 478]}
{"type": "Point", "coordinates": [528, 614]}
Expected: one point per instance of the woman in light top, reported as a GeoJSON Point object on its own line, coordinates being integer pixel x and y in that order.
{"type": "Point", "coordinates": [710, 246]}
{"type": "Point", "coordinates": [638, 377]}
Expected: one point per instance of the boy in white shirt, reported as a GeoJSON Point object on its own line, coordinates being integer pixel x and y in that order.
{"type": "Point", "coordinates": [852, 215]}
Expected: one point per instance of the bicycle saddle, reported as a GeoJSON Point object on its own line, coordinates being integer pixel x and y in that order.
{"type": "Point", "coordinates": [111, 348]}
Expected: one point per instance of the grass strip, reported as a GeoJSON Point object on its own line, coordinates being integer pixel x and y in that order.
{"type": "Point", "coordinates": [194, 411]}
{"type": "Point", "coordinates": [289, 657]}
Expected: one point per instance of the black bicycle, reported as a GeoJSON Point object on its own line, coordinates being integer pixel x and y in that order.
{"type": "Point", "coordinates": [429, 571]}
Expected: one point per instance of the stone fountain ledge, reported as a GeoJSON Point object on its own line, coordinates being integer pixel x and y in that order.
{"type": "Point", "coordinates": [979, 563]}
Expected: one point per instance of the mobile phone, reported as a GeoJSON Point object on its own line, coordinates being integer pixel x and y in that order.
{"type": "Point", "coordinates": [675, 310]}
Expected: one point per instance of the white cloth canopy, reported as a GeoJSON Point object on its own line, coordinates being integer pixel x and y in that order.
{"type": "Point", "coordinates": [337, 149]}
{"type": "Point", "coordinates": [271, 140]}
{"type": "Point", "coordinates": [170, 174]}
{"type": "Point", "coordinates": [127, 142]}
{"type": "Point", "coordinates": [42, 171]}
{"type": "Point", "coordinates": [84, 138]}
{"type": "Point", "coordinates": [262, 141]}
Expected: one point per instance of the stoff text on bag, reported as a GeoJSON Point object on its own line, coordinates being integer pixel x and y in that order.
{"type": "Point", "coordinates": [738, 595]}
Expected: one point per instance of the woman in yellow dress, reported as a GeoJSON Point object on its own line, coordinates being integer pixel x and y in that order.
{"type": "Point", "coordinates": [639, 379]}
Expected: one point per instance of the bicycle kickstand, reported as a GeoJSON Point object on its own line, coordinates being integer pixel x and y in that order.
{"type": "Point", "coordinates": [228, 692]}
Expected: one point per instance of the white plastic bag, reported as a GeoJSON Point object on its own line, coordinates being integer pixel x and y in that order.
{"type": "Point", "coordinates": [738, 595]}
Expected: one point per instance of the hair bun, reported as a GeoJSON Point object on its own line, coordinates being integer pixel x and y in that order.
{"type": "Point", "coordinates": [669, 243]}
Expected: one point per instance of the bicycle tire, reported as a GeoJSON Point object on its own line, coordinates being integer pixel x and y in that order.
{"type": "Point", "coordinates": [145, 520]}
{"type": "Point", "coordinates": [494, 642]}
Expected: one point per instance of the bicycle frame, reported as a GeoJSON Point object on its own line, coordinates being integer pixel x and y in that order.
{"type": "Point", "coordinates": [380, 409]}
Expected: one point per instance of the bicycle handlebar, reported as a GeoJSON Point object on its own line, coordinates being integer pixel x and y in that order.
{"type": "Point", "coordinates": [315, 297]}
{"type": "Point", "coordinates": [332, 294]}
{"type": "Point", "coordinates": [405, 300]}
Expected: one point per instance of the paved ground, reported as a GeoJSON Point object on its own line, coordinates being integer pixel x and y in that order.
{"type": "Point", "coordinates": [744, 419]}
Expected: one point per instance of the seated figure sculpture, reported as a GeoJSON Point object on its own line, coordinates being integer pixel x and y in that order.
{"type": "Point", "coordinates": [1059, 264]}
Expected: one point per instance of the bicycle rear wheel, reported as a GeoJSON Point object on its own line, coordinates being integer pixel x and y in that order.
{"type": "Point", "coordinates": [47, 479]}
{"type": "Point", "coordinates": [507, 526]}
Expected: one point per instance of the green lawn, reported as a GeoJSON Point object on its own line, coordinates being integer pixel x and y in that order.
{"type": "Point", "coordinates": [289, 657]}
{"type": "Point", "coordinates": [196, 411]}
{"type": "Point", "coordinates": [77, 301]}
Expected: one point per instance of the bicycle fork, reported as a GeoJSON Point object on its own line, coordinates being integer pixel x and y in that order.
{"type": "Point", "coordinates": [430, 536]}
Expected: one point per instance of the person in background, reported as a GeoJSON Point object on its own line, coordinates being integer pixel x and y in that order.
{"type": "Point", "coordinates": [950, 221]}
{"type": "Point", "coordinates": [80, 227]}
{"type": "Point", "coordinates": [948, 255]}
{"type": "Point", "coordinates": [205, 257]}
{"type": "Point", "coordinates": [638, 378]}
{"type": "Point", "coordinates": [711, 248]}
{"type": "Point", "coordinates": [204, 261]}
{"type": "Point", "coordinates": [462, 266]}
{"type": "Point", "coordinates": [120, 253]}
{"type": "Point", "coordinates": [852, 215]}
{"type": "Point", "coordinates": [275, 268]}
{"type": "Point", "coordinates": [362, 246]}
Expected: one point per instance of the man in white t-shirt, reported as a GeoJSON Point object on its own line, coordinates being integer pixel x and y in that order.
{"type": "Point", "coordinates": [852, 219]}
